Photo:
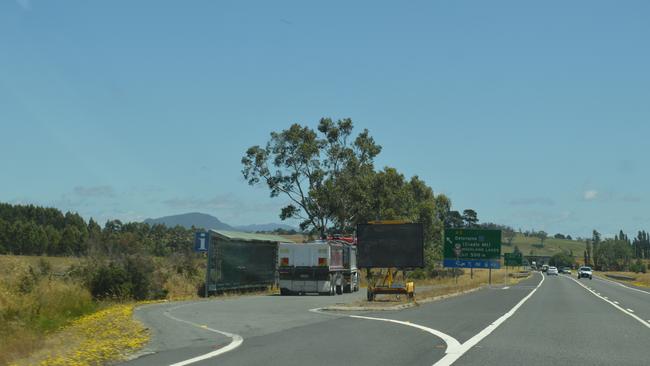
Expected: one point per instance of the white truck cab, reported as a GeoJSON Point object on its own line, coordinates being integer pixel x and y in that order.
{"type": "Point", "coordinates": [315, 267]}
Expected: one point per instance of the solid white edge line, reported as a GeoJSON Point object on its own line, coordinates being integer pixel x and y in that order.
{"type": "Point", "coordinates": [622, 285]}
{"type": "Point", "coordinates": [452, 343]}
{"type": "Point", "coordinates": [450, 358]}
{"type": "Point", "coordinates": [237, 340]}
{"type": "Point", "coordinates": [647, 324]}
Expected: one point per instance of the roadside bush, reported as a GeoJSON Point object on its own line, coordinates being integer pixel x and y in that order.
{"type": "Point", "coordinates": [638, 267]}
{"type": "Point", "coordinates": [110, 281]}
{"type": "Point", "coordinates": [130, 277]}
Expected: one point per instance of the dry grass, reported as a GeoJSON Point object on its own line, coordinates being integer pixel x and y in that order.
{"type": "Point", "coordinates": [296, 238]}
{"type": "Point", "coordinates": [58, 265]}
{"type": "Point", "coordinates": [441, 286]}
{"type": "Point", "coordinates": [34, 303]}
{"type": "Point", "coordinates": [95, 339]}
{"type": "Point", "coordinates": [640, 279]}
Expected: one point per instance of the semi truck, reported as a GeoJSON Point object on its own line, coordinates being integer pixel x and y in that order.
{"type": "Point", "coordinates": [317, 267]}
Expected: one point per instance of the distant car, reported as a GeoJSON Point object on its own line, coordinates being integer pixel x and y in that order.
{"type": "Point", "coordinates": [585, 272]}
{"type": "Point", "coordinates": [565, 270]}
{"type": "Point", "coordinates": [544, 268]}
{"type": "Point", "coordinates": [551, 271]}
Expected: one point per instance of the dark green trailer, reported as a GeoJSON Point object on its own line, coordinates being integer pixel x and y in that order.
{"type": "Point", "coordinates": [241, 261]}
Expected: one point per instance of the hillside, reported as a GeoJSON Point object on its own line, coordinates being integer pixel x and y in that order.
{"type": "Point", "coordinates": [196, 219]}
{"type": "Point", "coordinates": [551, 246]}
{"type": "Point", "coordinates": [205, 221]}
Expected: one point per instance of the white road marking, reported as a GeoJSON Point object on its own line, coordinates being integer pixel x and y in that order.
{"type": "Point", "coordinates": [452, 343]}
{"type": "Point", "coordinates": [450, 358]}
{"type": "Point", "coordinates": [616, 302]}
{"type": "Point", "coordinates": [647, 324]}
{"type": "Point", "coordinates": [507, 287]}
{"type": "Point", "coordinates": [630, 310]}
{"type": "Point", "coordinates": [622, 285]}
{"type": "Point", "coordinates": [237, 340]}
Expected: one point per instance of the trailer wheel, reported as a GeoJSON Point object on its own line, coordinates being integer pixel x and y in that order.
{"type": "Point", "coordinates": [347, 289]}
{"type": "Point", "coordinates": [332, 286]}
{"type": "Point", "coordinates": [339, 290]}
{"type": "Point", "coordinates": [284, 292]}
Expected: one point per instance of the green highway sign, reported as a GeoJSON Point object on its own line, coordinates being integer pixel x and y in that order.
{"type": "Point", "coordinates": [472, 248]}
{"type": "Point", "coordinates": [512, 259]}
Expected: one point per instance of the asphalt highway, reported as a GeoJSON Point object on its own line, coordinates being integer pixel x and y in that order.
{"type": "Point", "coordinates": [541, 321]}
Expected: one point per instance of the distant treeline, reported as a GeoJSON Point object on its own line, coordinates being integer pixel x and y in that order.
{"type": "Point", "coordinates": [34, 230]}
{"type": "Point", "coordinates": [618, 254]}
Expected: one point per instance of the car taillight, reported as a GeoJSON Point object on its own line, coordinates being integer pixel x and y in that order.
{"type": "Point", "coordinates": [284, 261]}
{"type": "Point", "coordinates": [322, 261]}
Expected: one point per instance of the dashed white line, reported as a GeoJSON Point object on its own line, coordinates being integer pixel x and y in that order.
{"type": "Point", "coordinates": [630, 310]}
{"type": "Point", "coordinates": [616, 302]}
{"type": "Point", "coordinates": [647, 324]}
{"type": "Point", "coordinates": [237, 340]}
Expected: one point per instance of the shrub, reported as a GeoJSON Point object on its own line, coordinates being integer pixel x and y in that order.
{"type": "Point", "coordinates": [130, 277]}
{"type": "Point", "coordinates": [638, 267]}
{"type": "Point", "coordinates": [110, 281]}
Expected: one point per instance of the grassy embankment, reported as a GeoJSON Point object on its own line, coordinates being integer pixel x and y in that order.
{"type": "Point", "coordinates": [551, 246]}
{"type": "Point", "coordinates": [48, 317]}
{"type": "Point", "coordinates": [446, 286]}
{"type": "Point", "coordinates": [640, 279]}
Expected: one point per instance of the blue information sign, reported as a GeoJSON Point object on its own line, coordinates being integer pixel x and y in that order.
{"type": "Point", "coordinates": [471, 263]}
{"type": "Point", "coordinates": [201, 240]}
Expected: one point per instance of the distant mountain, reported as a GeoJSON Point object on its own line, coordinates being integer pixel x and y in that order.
{"type": "Point", "coordinates": [199, 220]}
{"type": "Point", "coordinates": [264, 227]}
{"type": "Point", "coordinates": [205, 221]}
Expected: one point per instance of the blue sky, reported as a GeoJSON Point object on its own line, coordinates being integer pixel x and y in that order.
{"type": "Point", "coordinates": [536, 114]}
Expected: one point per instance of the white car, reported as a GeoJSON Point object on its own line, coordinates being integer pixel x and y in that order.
{"type": "Point", "coordinates": [551, 271]}
{"type": "Point", "coordinates": [585, 272]}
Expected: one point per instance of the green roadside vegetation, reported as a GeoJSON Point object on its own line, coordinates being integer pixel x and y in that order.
{"type": "Point", "coordinates": [49, 316]}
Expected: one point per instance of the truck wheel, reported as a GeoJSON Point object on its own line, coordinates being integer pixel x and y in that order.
{"type": "Point", "coordinates": [347, 289]}
{"type": "Point", "coordinates": [332, 287]}
{"type": "Point", "coordinates": [284, 292]}
{"type": "Point", "coordinates": [339, 290]}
